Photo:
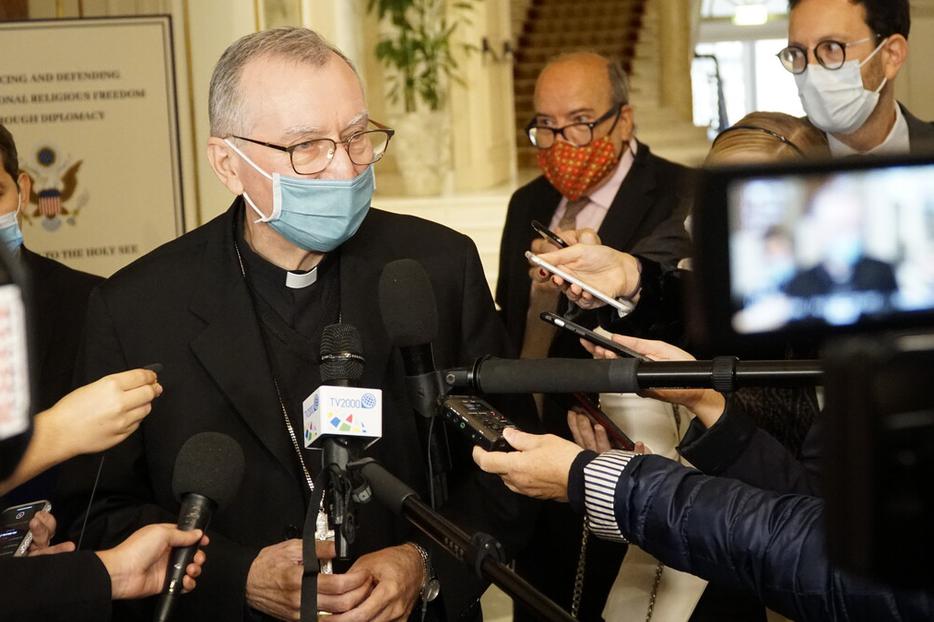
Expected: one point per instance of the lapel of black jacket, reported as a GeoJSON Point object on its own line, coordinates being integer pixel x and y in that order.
{"type": "Point", "coordinates": [41, 295]}
{"type": "Point", "coordinates": [631, 202]}
{"type": "Point", "coordinates": [231, 347]}
{"type": "Point", "coordinates": [545, 201]}
{"type": "Point", "coordinates": [361, 266]}
{"type": "Point", "coordinates": [544, 207]}
{"type": "Point", "coordinates": [920, 133]}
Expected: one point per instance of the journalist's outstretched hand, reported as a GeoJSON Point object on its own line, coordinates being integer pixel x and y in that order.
{"type": "Point", "coordinates": [90, 419]}
{"type": "Point", "coordinates": [137, 565]}
{"type": "Point", "coordinates": [610, 271]}
{"type": "Point", "coordinates": [43, 526]}
{"type": "Point", "coordinates": [538, 468]}
{"type": "Point", "coordinates": [707, 404]}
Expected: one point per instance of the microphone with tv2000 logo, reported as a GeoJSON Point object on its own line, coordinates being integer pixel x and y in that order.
{"type": "Point", "coordinates": [207, 475]}
{"type": "Point", "coordinates": [342, 420]}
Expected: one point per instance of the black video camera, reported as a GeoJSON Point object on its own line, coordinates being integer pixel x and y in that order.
{"type": "Point", "coordinates": [841, 255]}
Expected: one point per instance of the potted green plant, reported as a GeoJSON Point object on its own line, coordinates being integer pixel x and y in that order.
{"type": "Point", "coordinates": [417, 46]}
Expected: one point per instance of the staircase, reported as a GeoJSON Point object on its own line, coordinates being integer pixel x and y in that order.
{"type": "Point", "coordinates": [625, 30]}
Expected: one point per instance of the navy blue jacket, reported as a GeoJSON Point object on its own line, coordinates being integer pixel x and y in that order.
{"type": "Point", "coordinates": [735, 534]}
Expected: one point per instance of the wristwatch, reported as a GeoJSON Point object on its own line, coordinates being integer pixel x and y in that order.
{"type": "Point", "coordinates": [431, 587]}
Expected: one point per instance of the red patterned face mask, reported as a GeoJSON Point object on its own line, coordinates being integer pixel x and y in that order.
{"type": "Point", "coordinates": [572, 170]}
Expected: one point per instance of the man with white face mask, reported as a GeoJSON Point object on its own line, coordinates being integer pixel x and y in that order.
{"type": "Point", "coordinates": [845, 56]}
{"type": "Point", "coordinates": [235, 310]}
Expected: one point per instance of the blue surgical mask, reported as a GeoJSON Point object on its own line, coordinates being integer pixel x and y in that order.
{"type": "Point", "coordinates": [10, 233]}
{"type": "Point", "coordinates": [314, 214]}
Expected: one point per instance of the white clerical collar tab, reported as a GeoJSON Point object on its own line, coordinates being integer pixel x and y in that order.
{"type": "Point", "coordinates": [301, 280]}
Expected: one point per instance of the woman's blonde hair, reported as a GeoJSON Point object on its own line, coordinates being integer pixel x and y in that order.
{"type": "Point", "coordinates": [769, 136]}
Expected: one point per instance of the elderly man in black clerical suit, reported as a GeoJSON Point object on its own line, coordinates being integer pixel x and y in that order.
{"type": "Point", "coordinates": [596, 175]}
{"type": "Point", "coordinates": [234, 311]}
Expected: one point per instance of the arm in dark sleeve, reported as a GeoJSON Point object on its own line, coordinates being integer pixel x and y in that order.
{"type": "Point", "coordinates": [735, 447]}
{"type": "Point", "coordinates": [728, 532]}
{"type": "Point", "coordinates": [72, 587]}
{"type": "Point", "coordinates": [659, 313]}
{"type": "Point", "coordinates": [124, 499]}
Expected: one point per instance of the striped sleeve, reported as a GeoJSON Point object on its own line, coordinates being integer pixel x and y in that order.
{"type": "Point", "coordinates": [600, 477]}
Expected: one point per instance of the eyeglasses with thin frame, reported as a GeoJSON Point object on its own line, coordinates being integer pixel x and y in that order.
{"type": "Point", "coordinates": [829, 53]}
{"type": "Point", "coordinates": [577, 134]}
{"type": "Point", "coordinates": [313, 156]}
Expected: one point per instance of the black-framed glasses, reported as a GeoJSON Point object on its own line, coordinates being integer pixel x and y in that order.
{"type": "Point", "coordinates": [830, 54]}
{"type": "Point", "coordinates": [578, 134]}
{"type": "Point", "coordinates": [313, 156]}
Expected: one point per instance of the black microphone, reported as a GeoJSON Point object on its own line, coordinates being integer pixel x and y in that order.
{"type": "Point", "coordinates": [341, 366]}
{"type": "Point", "coordinates": [555, 375]}
{"type": "Point", "coordinates": [207, 475]}
{"type": "Point", "coordinates": [410, 315]}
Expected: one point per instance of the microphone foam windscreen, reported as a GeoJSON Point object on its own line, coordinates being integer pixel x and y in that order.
{"type": "Point", "coordinates": [341, 353]}
{"type": "Point", "coordinates": [209, 464]}
{"type": "Point", "coordinates": [407, 303]}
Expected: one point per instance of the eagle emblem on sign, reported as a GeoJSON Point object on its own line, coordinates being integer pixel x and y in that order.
{"type": "Point", "coordinates": [54, 198]}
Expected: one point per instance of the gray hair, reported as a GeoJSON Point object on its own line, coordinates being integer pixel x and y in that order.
{"type": "Point", "coordinates": [225, 103]}
{"type": "Point", "coordinates": [619, 82]}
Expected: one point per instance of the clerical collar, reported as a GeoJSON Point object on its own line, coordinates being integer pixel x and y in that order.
{"type": "Point", "coordinates": [301, 280]}
{"type": "Point", "coordinates": [268, 272]}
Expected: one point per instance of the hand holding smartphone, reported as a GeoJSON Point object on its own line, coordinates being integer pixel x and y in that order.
{"type": "Point", "coordinates": [595, 338]}
{"type": "Point", "coordinates": [548, 234]}
{"type": "Point", "coordinates": [15, 536]}
{"type": "Point", "coordinates": [624, 306]}
{"type": "Point", "coordinates": [618, 438]}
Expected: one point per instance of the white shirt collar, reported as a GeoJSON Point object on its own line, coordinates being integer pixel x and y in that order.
{"type": "Point", "coordinates": [897, 142]}
{"type": "Point", "coordinates": [301, 280]}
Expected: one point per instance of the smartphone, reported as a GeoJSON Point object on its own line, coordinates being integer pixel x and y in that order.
{"type": "Point", "coordinates": [15, 536]}
{"type": "Point", "coordinates": [548, 234]}
{"type": "Point", "coordinates": [618, 438]}
{"type": "Point", "coordinates": [624, 306]}
{"type": "Point", "coordinates": [595, 338]}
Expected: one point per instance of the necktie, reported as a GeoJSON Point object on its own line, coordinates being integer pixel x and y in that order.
{"type": "Point", "coordinates": [573, 208]}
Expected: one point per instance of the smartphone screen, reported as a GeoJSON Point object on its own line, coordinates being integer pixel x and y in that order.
{"type": "Point", "coordinates": [14, 527]}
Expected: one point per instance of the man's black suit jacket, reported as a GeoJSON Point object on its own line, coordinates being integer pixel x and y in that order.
{"type": "Point", "coordinates": [646, 217]}
{"type": "Point", "coordinates": [186, 306]}
{"type": "Point", "coordinates": [59, 297]}
{"type": "Point", "coordinates": [920, 133]}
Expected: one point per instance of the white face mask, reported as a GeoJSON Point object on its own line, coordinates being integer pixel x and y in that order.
{"type": "Point", "coordinates": [836, 100]}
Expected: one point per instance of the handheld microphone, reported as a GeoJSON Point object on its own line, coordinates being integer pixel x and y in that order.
{"type": "Point", "coordinates": [410, 315]}
{"type": "Point", "coordinates": [207, 475]}
{"type": "Point", "coordinates": [725, 374]}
